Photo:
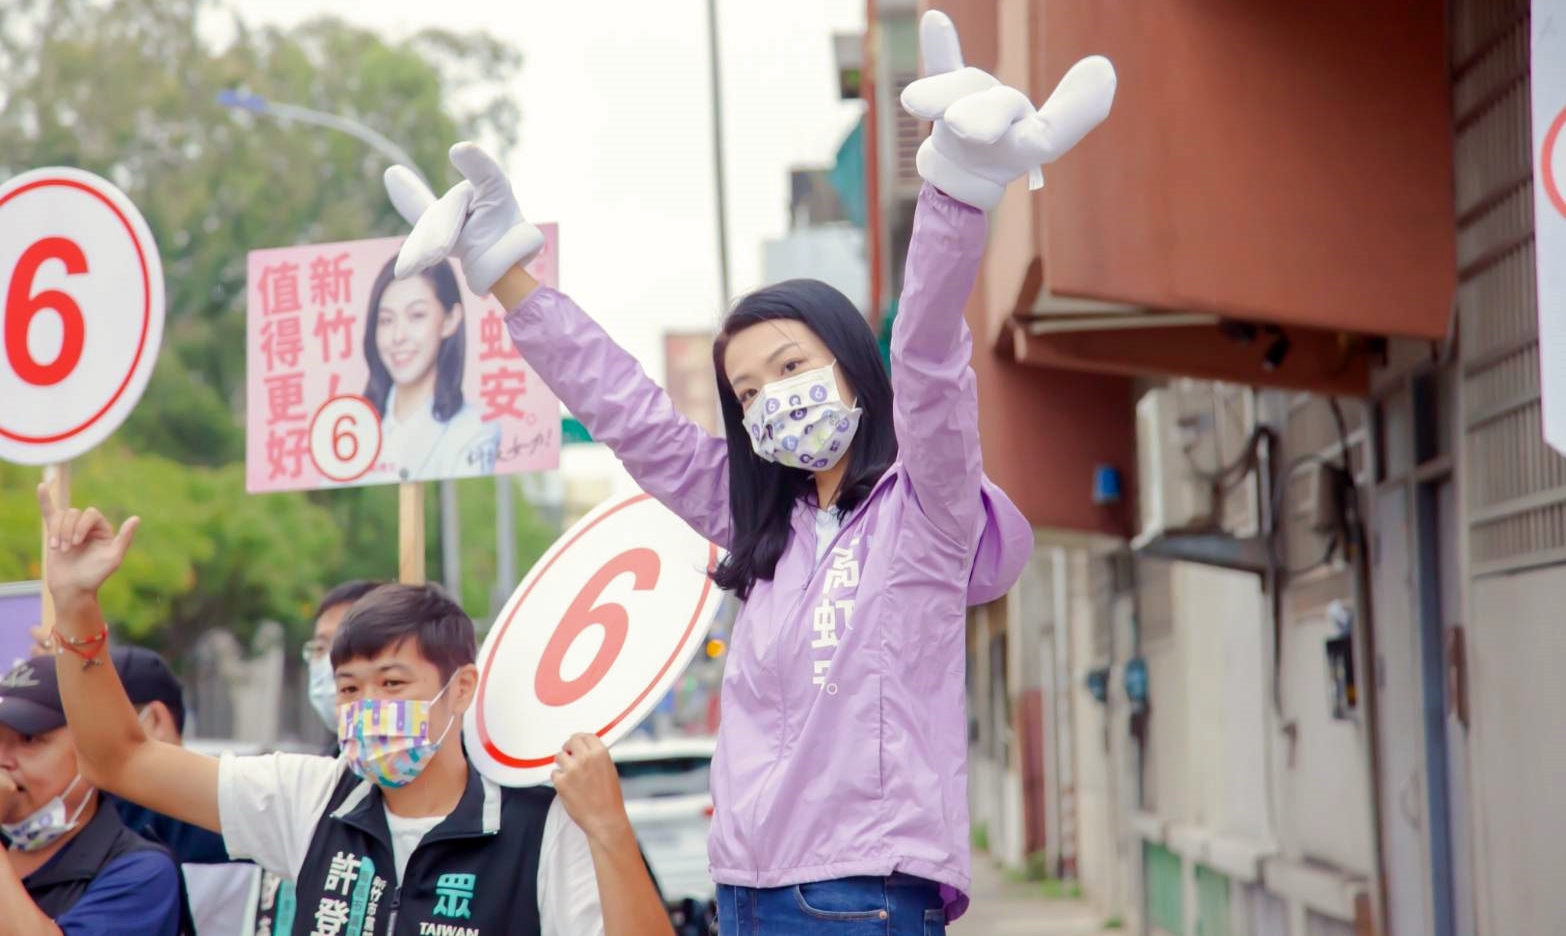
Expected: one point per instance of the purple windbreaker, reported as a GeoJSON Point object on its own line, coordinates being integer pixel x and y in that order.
{"type": "Point", "coordinates": [842, 748]}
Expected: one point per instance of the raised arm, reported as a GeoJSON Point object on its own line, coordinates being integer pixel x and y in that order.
{"type": "Point", "coordinates": [626, 900]}
{"type": "Point", "coordinates": [984, 136]}
{"type": "Point", "coordinates": [671, 457]}
{"type": "Point", "coordinates": [114, 753]}
{"type": "Point", "coordinates": [935, 401]}
{"type": "Point", "coordinates": [668, 455]}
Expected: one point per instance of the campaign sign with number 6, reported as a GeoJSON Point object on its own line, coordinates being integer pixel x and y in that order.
{"type": "Point", "coordinates": [590, 641]}
{"type": "Point", "coordinates": [81, 313]}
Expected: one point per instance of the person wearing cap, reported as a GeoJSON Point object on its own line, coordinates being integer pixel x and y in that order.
{"type": "Point", "coordinates": [71, 866]}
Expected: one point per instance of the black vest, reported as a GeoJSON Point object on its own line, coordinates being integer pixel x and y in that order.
{"type": "Point", "coordinates": [61, 882]}
{"type": "Point", "coordinates": [475, 874]}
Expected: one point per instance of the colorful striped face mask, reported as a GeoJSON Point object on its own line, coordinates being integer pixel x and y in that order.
{"type": "Point", "coordinates": [387, 741]}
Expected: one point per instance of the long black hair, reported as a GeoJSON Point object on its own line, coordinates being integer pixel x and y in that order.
{"type": "Point", "coordinates": [762, 493]}
{"type": "Point", "coordinates": [448, 361]}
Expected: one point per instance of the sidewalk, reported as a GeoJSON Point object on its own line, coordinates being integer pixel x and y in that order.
{"type": "Point", "coordinates": [1002, 907]}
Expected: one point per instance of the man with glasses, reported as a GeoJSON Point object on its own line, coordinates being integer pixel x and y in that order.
{"type": "Point", "coordinates": [318, 649]}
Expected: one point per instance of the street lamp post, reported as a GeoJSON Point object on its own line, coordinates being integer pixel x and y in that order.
{"type": "Point", "coordinates": [450, 530]}
{"type": "Point", "coordinates": [256, 104]}
{"type": "Point", "coordinates": [715, 65]}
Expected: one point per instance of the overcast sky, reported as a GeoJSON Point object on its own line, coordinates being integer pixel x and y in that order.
{"type": "Point", "coordinates": [616, 139]}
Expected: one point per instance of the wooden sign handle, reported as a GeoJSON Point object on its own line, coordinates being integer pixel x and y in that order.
{"type": "Point", "coordinates": [410, 534]}
{"type": "Point", "coordinates": [58, 480]}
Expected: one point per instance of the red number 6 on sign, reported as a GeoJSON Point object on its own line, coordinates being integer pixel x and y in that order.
{"type": "Point", "coordinates": [630, 567]}
{"type": "Point", "coordinates": [643, 565]}
{"type": "Point", "coordinates": [22, 306]}
{"type": "Point", "coordinates": [341, 435]}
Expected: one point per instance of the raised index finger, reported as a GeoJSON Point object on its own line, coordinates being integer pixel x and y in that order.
{"type": "Point", "coordinates": [938, 44]}
{"type": "Point", "coordinates": [46, 503]}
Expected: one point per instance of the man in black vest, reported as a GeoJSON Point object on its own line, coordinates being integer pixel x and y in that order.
{"type": "Point", "coordinates": [321, 690]}
{"type": "Point", "coordinates": [70, 865]}
{"type": "Point", "coordinates": [400, 835]}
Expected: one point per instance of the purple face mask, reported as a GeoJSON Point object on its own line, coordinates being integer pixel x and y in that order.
{"type": "Point", "coordinates": [802, 421]}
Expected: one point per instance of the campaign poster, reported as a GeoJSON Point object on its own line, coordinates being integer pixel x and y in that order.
{"type": "Point", "coordinates": [355, 377]}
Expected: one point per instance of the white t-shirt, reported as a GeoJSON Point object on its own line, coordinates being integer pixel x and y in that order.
{"type": "Point", "coordinates": [222, 897]}
{"type": "Point", "coordinates": [271, 804]}
{"type": "Point", "coordinates": [406, 834]}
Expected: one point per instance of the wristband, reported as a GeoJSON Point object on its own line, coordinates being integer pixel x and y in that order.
{"type": "Point", "coordinates": [90, 649]}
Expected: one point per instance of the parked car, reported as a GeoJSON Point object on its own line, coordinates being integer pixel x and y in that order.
{"type": "Point", "coordinates": [668, 800]}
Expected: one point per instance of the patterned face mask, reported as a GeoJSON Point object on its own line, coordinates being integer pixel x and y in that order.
{"type": "Point", "coordinates": [802, 421]}
{"type": "Point", "coordinates": [387, 741]}
{"type": "Point", "coordinates": [44, 827]}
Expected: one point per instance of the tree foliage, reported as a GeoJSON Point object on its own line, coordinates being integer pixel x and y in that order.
{"type": "Point", "coordinates": [128, 89]}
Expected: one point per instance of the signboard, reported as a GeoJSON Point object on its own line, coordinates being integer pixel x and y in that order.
{"type": "Point", "coordinates": [356, 377]}
{"type": "Point", "coordinates": [592, 639]}
{"type": "Point", "coordinates": [21, 608]}
{"type": "Point", "coordinates": [690, 380]}
{"type": "Point", "coordinates": [82, 290]}
{"type": "Point", "coordinates": [572, 432]}
{"type": "Point", "coordinates": [1549, 209]}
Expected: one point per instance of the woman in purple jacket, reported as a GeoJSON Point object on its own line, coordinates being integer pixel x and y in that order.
{"type": "Point", "coordinates": [858, 523]}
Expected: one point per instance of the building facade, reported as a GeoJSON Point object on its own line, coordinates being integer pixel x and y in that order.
{"type": "Point", "coordinates": [1299, 679]}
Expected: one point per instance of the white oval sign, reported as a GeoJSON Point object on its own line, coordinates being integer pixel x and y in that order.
{"type": "Point", "coordinates": [592, 639]}
{"type": "Point", "coordinates": [81, 313]}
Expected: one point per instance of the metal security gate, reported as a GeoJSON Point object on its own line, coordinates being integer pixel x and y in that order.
{"type": "Point", "coordinates": [1516, 485]}
{"type": "Point", "coordinates": [1512, 492]}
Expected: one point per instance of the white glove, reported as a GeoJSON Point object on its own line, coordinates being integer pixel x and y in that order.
{"type": "Point", "coordinates": [478, 220]}
{"type": "Point", "coordinates": [986, 134]}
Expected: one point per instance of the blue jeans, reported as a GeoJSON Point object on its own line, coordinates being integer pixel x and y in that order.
{"type": "Point", "coordinates": [899, 905]}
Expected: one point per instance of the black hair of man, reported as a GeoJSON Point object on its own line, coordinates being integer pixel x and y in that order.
{"type": "Point", "coordinates": [441, 631]}
{"type": "Point", "coordinates": [345, 594]}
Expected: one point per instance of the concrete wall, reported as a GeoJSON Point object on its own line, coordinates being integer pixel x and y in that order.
{"type": "Point", "coordinates": [1220, 621]}
{"type": "Point", "coordinates": [1322, 764]}
{"type": "Point", "coordinates": [1101, 795]}
{"type": "Point", "coordinates": [1324, 769]}
{"type": "Point", "coordinates": [1517, 651]}
{"type": "Point", "coordinates": [1100, 817]}
{"type": "Point", "coordinates": [1266, 801]}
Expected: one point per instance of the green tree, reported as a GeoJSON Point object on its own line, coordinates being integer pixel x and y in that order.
{"type": "Point", "coordinates": [127, 89]}
{"type": "Point", "coordinates": [203, 558]}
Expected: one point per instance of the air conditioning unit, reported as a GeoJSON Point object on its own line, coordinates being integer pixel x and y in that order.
{"type": "Point", "coordinates": [1173, 498]}
{"type": "Point", "coordinates": [1187, 434]}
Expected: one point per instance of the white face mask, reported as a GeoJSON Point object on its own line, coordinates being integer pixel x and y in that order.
{"type": "Point", "coordinates": [45, 827]}
{"type": "Point", "coordinates": [802, 421]}
{"type": "Point", "coordinates": [323, 690]}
